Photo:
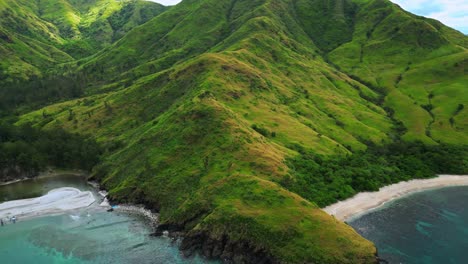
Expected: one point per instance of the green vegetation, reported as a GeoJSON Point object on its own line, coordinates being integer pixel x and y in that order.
{"type": "Point", "coordinates": [328, 23]}
{"type": "Point", "coordinates": [37, 36]}
{"type": "Point", "coordinates": [25, 151]}
{"type": "Point", "coordinates": [417, 62]}
{"type": "Point", "coordinates": [328, 179]}
{"type": "Point", "coordinates": [204, 109]}
{"type": "Point", "coordinates": [38, 92]}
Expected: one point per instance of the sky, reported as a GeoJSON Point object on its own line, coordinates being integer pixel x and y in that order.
{"type": "Point", "coordinates": [453, 13]}
{"type": "Point", "coordinates": [166, 2]}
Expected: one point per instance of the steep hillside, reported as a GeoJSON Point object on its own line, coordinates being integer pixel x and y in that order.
{"type": "Point", "coordinates": [201, 108]}
{"type": "Point", "coordinates": [37, 35]}
{"type": "Point", "coordinates": [102, 22]}
{"type": "Point", "coordinates": [27, 42]}
{"type": "Point", "coordinates": [419, 64]}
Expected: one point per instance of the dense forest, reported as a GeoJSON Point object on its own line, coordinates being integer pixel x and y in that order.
{"type": "Point", "coordinates": [38, 92]}
{"type": "Point", "coordinates": [203, 109]}
{"type": "Point", "coordinates": [327, 179]}
{"type": "Point", "coordinates": [25, 151]}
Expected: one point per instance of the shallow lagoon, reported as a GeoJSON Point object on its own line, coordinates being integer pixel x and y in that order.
{"type": "Point", "coordinates": [39, 186]}
{"type": "Point", "coordinates": [426, 227]}
{"type": "Point", "coordinates": [85, 236]}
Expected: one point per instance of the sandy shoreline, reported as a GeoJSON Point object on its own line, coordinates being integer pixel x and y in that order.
{"type": "Point", "coordinates": [54, 202]}
{"type": "Point", "coordinates": [152, 217]}
{"type": "Point", "coordinates": [366, 201]}
{"type": "Point", "coordinates": [67, 199]}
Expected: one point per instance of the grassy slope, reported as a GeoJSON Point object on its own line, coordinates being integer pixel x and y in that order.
{"type": "Point", "coordinates": [102, 22]}
{"type": "Point", "coordinates": [26, 41]}
{"type": "Point", "coordinates": [38, 35]}
{"type": "Point", "coordinates": [418, 61]}
{"type": "Point", "coordinates": [202, 164]}
{"type": "Point", "coordinates": [180, 138]}
{"type": "Point", "coordinates": [205, 169]}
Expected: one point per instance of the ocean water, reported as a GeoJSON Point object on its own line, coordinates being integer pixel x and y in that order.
{"type": "Point", "coordinates": [76, 238]}
{"type": "Point", "coordinates": [39, 186]}
{"type": "Point", "coordinates": [84, 236]}
{"type": "Point", "coordinates": [425, 228]}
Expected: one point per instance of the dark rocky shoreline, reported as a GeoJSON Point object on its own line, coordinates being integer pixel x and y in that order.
{"type": "Point", "coordinates": [192, 242]}
{"type": "Point", "coordinates": [224, 249]}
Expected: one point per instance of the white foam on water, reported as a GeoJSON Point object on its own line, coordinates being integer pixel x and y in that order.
{"type": "Point", "coordinates": [56, 201]}
{"type": "Point", "coordinates": [75, 217]}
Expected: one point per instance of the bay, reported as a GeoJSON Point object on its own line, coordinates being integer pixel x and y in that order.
{"type": "Point", "coordinates": [81, 236]}
{"type": "Point", "coordinates": [428, 227]}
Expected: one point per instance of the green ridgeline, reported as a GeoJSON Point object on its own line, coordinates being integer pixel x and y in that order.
{"type": "Point", "coordinates": [35, 36]}
{"type": "Point", "coordinates": [420, 64]}
{"type": "Point", "coordinates": [207, 110]}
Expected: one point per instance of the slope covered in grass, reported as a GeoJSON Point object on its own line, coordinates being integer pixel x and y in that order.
{"type": "Point", "coordinates": [38, 35]}
{"type": "Point", "coordinates": [418, 63]}
{"type": "Point", "coordinates": [204, 166]}
{"type": "Point", "coordinates": [200, 108]}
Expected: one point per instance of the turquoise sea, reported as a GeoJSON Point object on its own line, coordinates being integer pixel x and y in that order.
{"type": "Point", "coordinates": [423, 228]}
{"type": "Point", "coordinates": [84, 236]}
{"type": "Point", "coordinates": [427, 227]}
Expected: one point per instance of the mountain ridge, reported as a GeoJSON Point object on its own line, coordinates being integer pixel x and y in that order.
{"type": "Point", "coordinates": [54, 29]}
{"type": "Point", "coordinates": [201, 108]}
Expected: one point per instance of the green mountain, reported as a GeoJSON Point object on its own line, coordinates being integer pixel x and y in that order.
{"type": "Point", "coordinates": [37, 35]}
{"type": "Point", "coordinates": [203, 108]}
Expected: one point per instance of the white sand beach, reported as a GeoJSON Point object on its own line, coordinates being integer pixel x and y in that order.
{"type": "Point", "coordinates": [54, 202]}
{"type": "Point", "coordinates": [363, 202]}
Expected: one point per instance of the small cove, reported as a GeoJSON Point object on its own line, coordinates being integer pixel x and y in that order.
{"type": "Point", "coordinates": [81, 236]}
{"type": "Point", "coordinates": [36, 187]}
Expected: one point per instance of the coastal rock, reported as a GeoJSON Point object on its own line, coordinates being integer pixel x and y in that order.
{"type": "Point", "coordinates": [229, 251]}
{"type": "Point", "coordinates": [140, 210]}
{"type": "Point", "coordinates": [105, 203]}
{"type": "Point", "coordinates": [382, 261]}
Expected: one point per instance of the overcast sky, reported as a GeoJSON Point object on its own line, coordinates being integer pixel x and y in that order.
{"type": "Point", "coordinates": [453, 13]}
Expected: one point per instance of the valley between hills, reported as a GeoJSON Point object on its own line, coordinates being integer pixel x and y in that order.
{"type": "Point", "coordinates": [236, 120]}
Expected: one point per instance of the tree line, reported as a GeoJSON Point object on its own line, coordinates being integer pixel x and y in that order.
{"type": "Point", "coordinates": [25, 151]}
{"type": "Point", "coordinates": [38, 91]}
{"type": "Point", "coordinates": [327, 179]}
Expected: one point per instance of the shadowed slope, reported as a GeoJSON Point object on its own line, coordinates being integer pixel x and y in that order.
{"type": "Point", "coordinates": [200, 106]}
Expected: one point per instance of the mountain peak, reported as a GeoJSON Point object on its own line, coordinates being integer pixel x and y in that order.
{"type": "Point", "coordinates": [208, 111]}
